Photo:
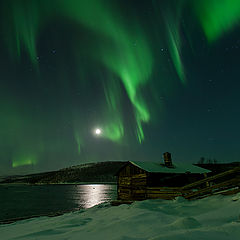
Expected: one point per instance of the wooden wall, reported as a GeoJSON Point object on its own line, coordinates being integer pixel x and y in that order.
{"type": "Point", "coordinates": [136, 184]}
{"type": "Point", "coordinates": [132, 182]}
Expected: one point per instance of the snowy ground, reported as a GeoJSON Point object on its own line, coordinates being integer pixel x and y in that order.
{"type": "Point", "coordinates": [211, 218]}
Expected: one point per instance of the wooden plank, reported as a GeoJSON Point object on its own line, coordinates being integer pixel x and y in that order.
{"type": "Point", "coordinates": [134, 181]}
{"type": "Point", "coordinates": [125, 178]}
{"type": "Point", "coordinates": [161, 193]}
{"type": "Point", "coordinates": [142, 175]}
{"type": "Point", "coordinates": [208, 179]}
{"type": "Point", "coordinates": [138, 191]}
{"type": "Point", "coordinates": [124, 184]}
{"type": "Point", "coordinates": [124, 181]}
{"type": "Point", "coordinates": [162, 196]}
{"type": "Point", "coordinates": [165, 188]}
{"type": "Point", "coordinates": [165, 192]}
{"type": "Point", "coordinates": [139, 179]}
{"type": "Point", "coordinates": [138, 184]}
{"type": "Point", "coordinates": [138, 187]}
{"type": "Point", "coordinates": [210, 189]}
{"type": "Point", "coordinates": [139, 196]}
{"type": "Point", "coordinates": [125, 196]}
{"type": "Point", "coordinates": [230, 192]}
{"type": "Point", "coordinates": [124, 189]}
{"type": "Point", "coordinates": [134, 187]}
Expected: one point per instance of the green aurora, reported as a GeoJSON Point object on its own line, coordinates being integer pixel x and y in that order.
{"type": "Point", "coordinates": [120, 45]}
{"type": "Point", "coordinates": [217, 17]}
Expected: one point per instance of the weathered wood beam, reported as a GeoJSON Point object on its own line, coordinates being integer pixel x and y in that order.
{"type": "Point", "coordinates": [208, 179]}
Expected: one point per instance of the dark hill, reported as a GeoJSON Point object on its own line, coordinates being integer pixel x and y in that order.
{"type": "Point", "coordinates": [90, 172]}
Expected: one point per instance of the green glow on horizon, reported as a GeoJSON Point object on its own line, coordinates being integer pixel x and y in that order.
{"type": "Point", "coordinates": [23, 160]}
{"type": "Point", "coordinates": [18, 131]}
{"type": "Point", "coordinates": [217, 17]}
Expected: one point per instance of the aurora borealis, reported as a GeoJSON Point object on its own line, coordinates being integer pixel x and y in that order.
{"type": "Point", "coordinates": [153, 75]}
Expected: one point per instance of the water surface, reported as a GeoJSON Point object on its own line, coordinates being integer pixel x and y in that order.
{"type": "Point", "coordinates": [17, 201]}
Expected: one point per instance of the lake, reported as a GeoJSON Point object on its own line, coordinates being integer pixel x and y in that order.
{"type": "Point", "coordinates": [19, 201]}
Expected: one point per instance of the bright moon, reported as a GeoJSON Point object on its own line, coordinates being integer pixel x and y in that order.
{"type": "Point", "coordinates": [98, 131]}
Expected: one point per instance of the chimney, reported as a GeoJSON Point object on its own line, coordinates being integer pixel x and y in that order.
{"type": "Point", "coordinates": [167, 159]}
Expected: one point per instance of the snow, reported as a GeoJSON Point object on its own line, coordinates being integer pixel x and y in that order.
{"type": "Point", "coordinates": [216, 217]}
{"type": "Point", "coordinates": [178, 168]}
{"type": "Point", "coordinates": [85, 165]}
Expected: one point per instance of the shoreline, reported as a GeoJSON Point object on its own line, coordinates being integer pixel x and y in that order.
{"type": "Point", "coordinates": [75, 183]}
{"type": "Point", "coordinates": [13, 220]}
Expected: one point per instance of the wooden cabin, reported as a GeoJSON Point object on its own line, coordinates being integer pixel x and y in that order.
{"type": "Point", "coordinates": [146, 180]}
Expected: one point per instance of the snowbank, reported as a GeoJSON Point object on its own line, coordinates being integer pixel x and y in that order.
{"type": "Point", "coordinates": [212, 218]}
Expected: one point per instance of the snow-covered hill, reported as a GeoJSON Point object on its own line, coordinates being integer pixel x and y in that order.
{"type": "Point", "coordinates": [216, 217]}
{"type": "Point", "coordinates": [88, 172]}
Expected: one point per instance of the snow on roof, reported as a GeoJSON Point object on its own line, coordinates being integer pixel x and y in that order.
{"type": "Point", "coordinates": [156, 167]}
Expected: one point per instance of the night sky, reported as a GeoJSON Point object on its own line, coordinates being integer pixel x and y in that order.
{"type": "Point", "coordinates": [151, 75]}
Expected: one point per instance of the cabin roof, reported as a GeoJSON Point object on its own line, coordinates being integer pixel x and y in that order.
{"type": "Point", "coordinates": [155, 167]}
